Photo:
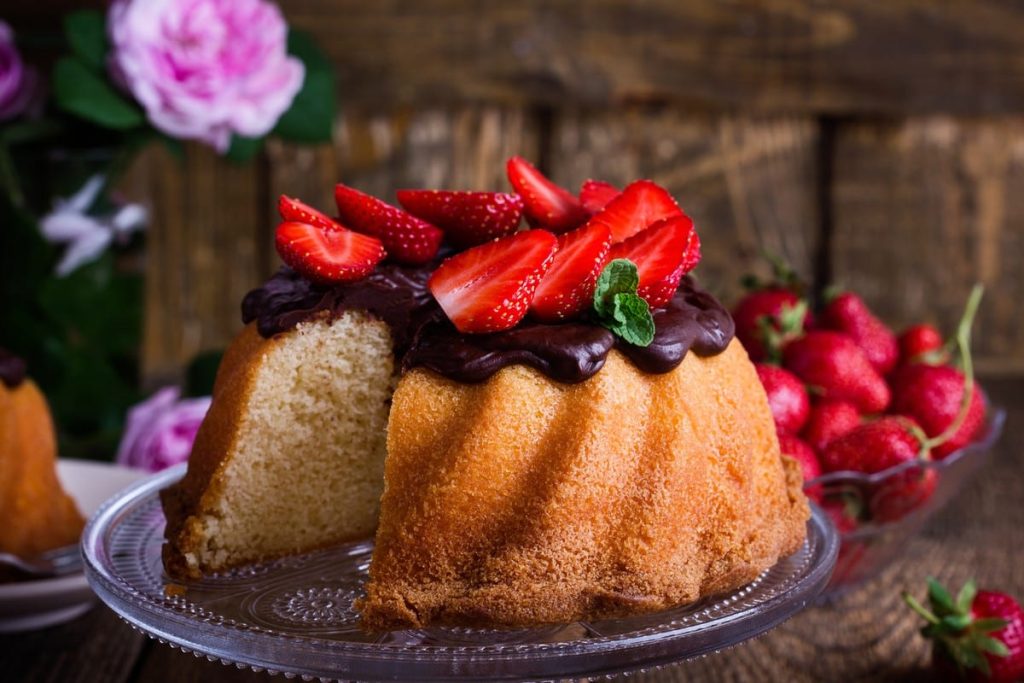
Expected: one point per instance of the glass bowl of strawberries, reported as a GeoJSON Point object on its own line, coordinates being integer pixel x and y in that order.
{"type": "Point", "coordinates": [887, 429]}
{"type": "Point", "coordinates": [876, 514]}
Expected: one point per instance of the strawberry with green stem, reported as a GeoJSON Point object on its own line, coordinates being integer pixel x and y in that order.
{"type": "Point", "coordinates": [980, 632]}
{"type": "Point", "coordinates": [946, 402]}
{"type": "Point", "coordinates": [771, 314]}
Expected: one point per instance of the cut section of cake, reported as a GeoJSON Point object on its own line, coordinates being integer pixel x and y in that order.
{"type": "Point", "coordinates": [291, 455]}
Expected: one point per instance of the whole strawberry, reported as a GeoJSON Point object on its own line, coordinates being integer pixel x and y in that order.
{"type": "Point", "coordinates": [795, 448]}
{"type": "Point", "coordinates": [917, 342]}
{"type": "Point", "coordinates": [947, 403]}
{"type": "Point", "coordinates": [980, 633]}
{"type": "Point", "coordinates": [835, 368]}
{"type": "Point", "coordinates": [767, 317]}
{"type": "Point", "coordinates": [828, 420]}
{"type": "Point", "coordinates": [848, 313]}
{"type": "Point", "coordinates": [933, 395]}
{"type": "Point", "coordinates": [787, 397]}
{"type": "Point", "coordinates": [876, 446]}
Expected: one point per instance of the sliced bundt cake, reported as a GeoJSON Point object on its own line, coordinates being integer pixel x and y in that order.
{"type": "Point", "coordinates": [610, 453]}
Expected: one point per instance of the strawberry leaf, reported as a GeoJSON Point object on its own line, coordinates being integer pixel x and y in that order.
{"type": "Point", "coordinates": [989, 625]}
{"type": "Point", "coordinates": [618, 306]}
{"type": "Point", "coordinates": [993, 646]}
{"type": "Point", "coordinates": [941, 600]}
{"type": "Point", "coordinates": [966, 596]}
{"type": "Point", "coordinates": [956, 622]}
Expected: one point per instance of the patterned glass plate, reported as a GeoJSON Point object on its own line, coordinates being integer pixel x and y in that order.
{"type": "Point", "coordinates": [295, 616]}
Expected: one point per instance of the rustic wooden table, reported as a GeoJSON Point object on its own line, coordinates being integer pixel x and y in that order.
{"type": "Point", "coordinates": [867, 635]}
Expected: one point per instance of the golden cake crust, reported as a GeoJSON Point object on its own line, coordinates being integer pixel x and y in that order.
{"type": "Point", "coordinates": [214, 440]}
{"type": "Point", "coordinates": [523, 501]}
{"type": "Point", "coordinates": [39, 515]}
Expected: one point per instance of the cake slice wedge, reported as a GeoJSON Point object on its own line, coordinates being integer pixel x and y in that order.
{"type": "Point", "coordinates": [291, 455]}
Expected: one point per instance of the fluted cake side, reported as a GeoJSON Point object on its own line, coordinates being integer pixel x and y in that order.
{"type": "Point", "coordinates": [523, 500]}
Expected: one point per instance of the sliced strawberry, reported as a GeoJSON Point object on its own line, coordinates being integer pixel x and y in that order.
{"type": "Point", "coordinates": [467, 218]}
{"type": "Point", "coordinates": [489, 288]}
{"type": "Point", "coordinates": [407, 238]}
{"type": "Point", "coordinates": [595, 195]}
{"type": "Point", "coordinates": [327, 256]}
{"type": "Point", "coordinates": [663, 253]}
{"type": "Point", "coordinates": [568, 286]}
{"type": "Point", "coordinates": [295, 210]}
{"type": "Point", "coordinates": [546, 205]}
{"type": "Point", "coordinates": [640, 205]}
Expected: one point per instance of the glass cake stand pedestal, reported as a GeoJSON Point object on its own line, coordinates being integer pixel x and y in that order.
{"type": "Point", "coordinates": [295, 617]}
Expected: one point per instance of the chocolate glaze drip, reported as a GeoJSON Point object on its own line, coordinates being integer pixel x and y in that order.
{"type": "Point", "coordinates": [12, 369]}
{"type": "Point", "coordinates": [424, 337]}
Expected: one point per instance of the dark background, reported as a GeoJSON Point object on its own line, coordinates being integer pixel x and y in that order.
{"type": "Point", "coordinates": [878, 145]}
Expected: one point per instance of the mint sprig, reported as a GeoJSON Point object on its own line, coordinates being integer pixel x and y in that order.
{"type": "Point", "coordinates": [618, 307]}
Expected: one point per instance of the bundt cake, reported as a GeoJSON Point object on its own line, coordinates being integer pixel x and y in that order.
{"type": "Point", "coordinates": [618, 457]}
{"type": "Point", "coordinates": [38, 514]}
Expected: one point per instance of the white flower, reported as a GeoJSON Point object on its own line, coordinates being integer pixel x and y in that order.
{"type": "Point", "coordinates": [88, 236]}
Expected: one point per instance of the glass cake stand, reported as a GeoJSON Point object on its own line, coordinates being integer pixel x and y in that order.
{"type": "Point", "coordinates": [294, 616]}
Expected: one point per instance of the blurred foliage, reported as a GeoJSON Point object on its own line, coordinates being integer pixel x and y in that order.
{"type": "Point", "coordinates": [81, 333]}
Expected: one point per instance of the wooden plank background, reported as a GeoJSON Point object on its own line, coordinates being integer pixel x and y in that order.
{"type": "Point", "coordinates": [879, 145]}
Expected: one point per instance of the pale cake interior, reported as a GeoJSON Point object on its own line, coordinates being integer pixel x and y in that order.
{"type": "Point", "coordinates": [310, 447]}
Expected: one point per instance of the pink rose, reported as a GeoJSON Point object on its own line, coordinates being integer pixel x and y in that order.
{"type": "Point", "coordinates": [17, 82]}
{"type": "Point", "coordinates": [161, 429]}
{"type": "Point", "coordinates": [204, 69]}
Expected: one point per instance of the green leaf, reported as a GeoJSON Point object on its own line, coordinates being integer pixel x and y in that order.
{"type": "Point", "coordinates": [941, 600]}
{"type": "Point", "coordinates": [989, 625]}
{"type": "Point", "coordinates": [633, 320]}
{"type": "Point", "coordinates": [618, 276]}
{"type": "Point", "coordinates": [619, 308]}
{"type": "Point", "coordinates": [993, 646]}
{"type": "Point", "coordinates": [83, 93]}
{"type": "Point", "coordinates": [242, 150]}
{"type": "Point", "coordinates": [310, 119]}
{"type": "Point", "coordinates": [86, 32]}
{"type": "Point", "coordinates": [302, 45]}
{"type": "Point", "coordinates": [966, 596]}
{"type": "Point", "coordinates": [956, 622]}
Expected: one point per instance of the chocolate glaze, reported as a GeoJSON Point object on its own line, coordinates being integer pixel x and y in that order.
{"type": "Point", "coordinates": [12, 369]}
{"type": "Point", "coordinates": [424, 337]}
{"type": "Point", "coordinates": [395, 294]}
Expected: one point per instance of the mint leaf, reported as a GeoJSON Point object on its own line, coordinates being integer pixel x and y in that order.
{"type": "Point", "coordinates": [633, 320]}
{"type": "Point", "coordinates": [86, 33]}
{"type": "Point", "coordinates": [619, 275]}
{"type": "Point", "coordinates": [82, 92]}
{"type": "Point", "coordinates": [619, 308]}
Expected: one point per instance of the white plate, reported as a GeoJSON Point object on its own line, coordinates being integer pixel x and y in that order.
{"type": "Point", "coordinates": [28, 605]}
